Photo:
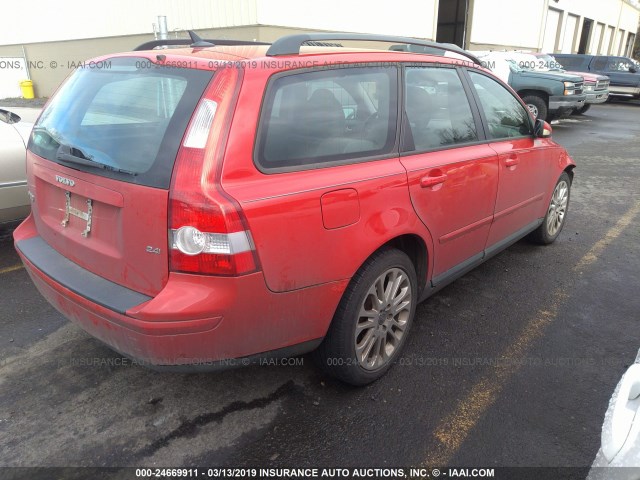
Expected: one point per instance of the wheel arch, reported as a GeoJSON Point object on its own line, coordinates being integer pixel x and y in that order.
{"type": "Point", "coordinates": [538, 93]}
{"type": "Point", "coordinates": [339, 337]}
{"type": "Point", "coordinates": [569, 169]}
{"type": "Point", "coordinates": [415, 248]}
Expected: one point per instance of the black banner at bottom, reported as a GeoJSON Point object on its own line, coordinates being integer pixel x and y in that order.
{"type": "Point", "coordinates": [370, 473]}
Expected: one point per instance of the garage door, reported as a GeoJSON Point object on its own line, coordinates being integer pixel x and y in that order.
{"type": "Point", "coordinates": [596, 40]}
{"type": "Point", "coordinates": [569, 34]}
{"type": "Point", "coordinates": [607, 41]}
{"type": "Point", "coordinates": [550, 31]}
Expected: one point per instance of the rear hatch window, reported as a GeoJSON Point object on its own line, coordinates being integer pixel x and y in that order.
{"type": "Point", "coordinates": [123, 119]}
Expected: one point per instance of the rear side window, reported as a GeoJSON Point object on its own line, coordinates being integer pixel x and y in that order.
{"type": "Point", "coordinates": [124, 120]}
{"type": "Point", "coordinates": [599, 63]}
{"type": "Point", "coordinates": [619, 64]}
{"type": "Point", "coordinates": [570, 63]}
{"type": "Point", "coordinates": [328, 116]}
{"type": "Point", "coordinates": [437, 110]}
{"type": "Point", "coordinates": [505, 115]}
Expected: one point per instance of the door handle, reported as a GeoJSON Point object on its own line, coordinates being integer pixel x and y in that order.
{"type": "Point", "coordinates": [429, 181]}
{"type": "Point", "coordinates": [511, 161]}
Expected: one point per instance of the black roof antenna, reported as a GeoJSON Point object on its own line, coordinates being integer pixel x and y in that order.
{"type": "Point", "coordinates": [198, 42]}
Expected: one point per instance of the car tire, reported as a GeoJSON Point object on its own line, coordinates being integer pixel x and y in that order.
{"type": "Point", "coordinates": [537, 106]}
{"type": "Point", "coordinates": [556, 215]}
{"type": "Point", "coordinates": [582, 110]}
{"type": "Point", "coordinates": [355, 352]}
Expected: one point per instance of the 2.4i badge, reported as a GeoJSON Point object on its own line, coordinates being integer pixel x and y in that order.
{"type": "Point", "coordinates": [86, 216]}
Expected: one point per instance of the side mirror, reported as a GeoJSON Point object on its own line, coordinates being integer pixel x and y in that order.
{"type": "Point", "coordinates": [8, 117]}
{"type": "Point", "coordinates": [633, 70]}
{"type": "Point", "coordinates": [542, 129]}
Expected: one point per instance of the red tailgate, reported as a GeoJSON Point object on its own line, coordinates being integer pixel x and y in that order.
{"type": "Point", "coordinates": [124, 239]}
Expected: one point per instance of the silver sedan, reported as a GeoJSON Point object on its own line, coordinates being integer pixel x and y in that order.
{"type": "Point", "coordinates": [14, 198]}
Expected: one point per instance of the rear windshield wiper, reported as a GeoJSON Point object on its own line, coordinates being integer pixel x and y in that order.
{"type": "Point", "coordinates": [75, 155]}
{"type": "Point", "coordinates": [69, 154]}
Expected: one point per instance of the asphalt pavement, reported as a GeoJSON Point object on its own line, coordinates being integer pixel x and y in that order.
{"type": "Point", "coordinates": [511, 365]}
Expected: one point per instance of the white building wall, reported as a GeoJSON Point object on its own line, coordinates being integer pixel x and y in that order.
{"type": "Point", "coordinates": [595, 38]}
{"type": "Point", "coordinates": [608, 38]}
{"type": "Point", "coordinates": [533, 24]}
{"type": "Point", "coordinates": [552, 26]}
{"type": "Point", "coordinates": [499, 23]}
{"type": "Point", "coordinates": [515, 23]}
{"type": "Point", "coordinates": [570, 33]}
{"type": "Point", "coordinates": [78, 19]}
{"type": "Point", "coordinates": [629, 18]}
{"type": "Point", "coordinates": [611, 21]}
{"type": "Point", "coordinates": [414, 18]}
{"type": "Point", "coordinates": [12, 71]}
{"type": "Point", "coordinates": [50, 21]}
{"type": "Point", "coordinates": [598, 10]}
{"type": "Point", "coordinates": [616, 43]}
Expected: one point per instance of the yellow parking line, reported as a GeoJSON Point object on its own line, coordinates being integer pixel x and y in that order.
{"type": "Point", "coordinates": [451, 433]}
{"type": "Point", "coordinates": [597, 249]}
{"type": "Point", "coordinates": [11, 269]}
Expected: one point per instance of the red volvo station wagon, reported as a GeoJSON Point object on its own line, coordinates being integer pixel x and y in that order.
{"type": "Point", "coordinates": [228, 201]}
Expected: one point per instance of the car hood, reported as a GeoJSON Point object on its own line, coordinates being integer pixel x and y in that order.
{"type": "Point", "coordinates": [590, 77]}
{"type": "Point", "coordinates": [561, 76]}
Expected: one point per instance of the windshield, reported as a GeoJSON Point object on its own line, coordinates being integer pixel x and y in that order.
{"type": "Point", "coordinates": [514, 66]}
{"type": "Point", "coordinates": [124, 119]}
{"type": "Point", "coordinates": [548, 63]}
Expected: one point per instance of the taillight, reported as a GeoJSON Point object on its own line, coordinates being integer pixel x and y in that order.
{"type": "Point", "coordinates": [208, 233]}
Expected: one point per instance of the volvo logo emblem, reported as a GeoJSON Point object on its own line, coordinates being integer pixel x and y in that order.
{"type": "Point", "coordinates": [65, 181]}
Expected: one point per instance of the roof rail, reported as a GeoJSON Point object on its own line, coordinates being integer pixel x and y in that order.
{"type": "Point", "coordinates": [290, 44]}
{"type": "Point", "coordinates": [195, 41]}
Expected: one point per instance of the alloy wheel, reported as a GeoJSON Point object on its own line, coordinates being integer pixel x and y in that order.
{"type": "Point", "coordinates": [383, 318]}
{"type": "Point", "coordinates": [557, 208]}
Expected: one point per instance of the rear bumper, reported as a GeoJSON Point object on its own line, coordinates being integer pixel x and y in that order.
{"type": "Point", "coordinates": [195, 321]}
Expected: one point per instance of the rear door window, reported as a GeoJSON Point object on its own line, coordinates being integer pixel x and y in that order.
{"type": "Point", "coordinates": [437, 110]}
{"type": "Point", "coordinates": [325, 117]}
{"type": "Point", "coordinates": [599, 63]}
{"type": "Point", "coordinates": [570, 63]}
{"type": "Point", "coordinates": [124, 120]}
{"type": "Point", "coordinates": [619, 64]}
